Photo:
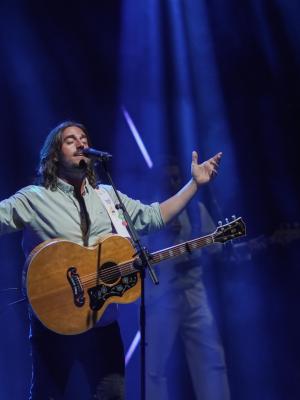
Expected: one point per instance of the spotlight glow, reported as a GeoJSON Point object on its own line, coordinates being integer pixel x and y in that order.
{"type": "Point", "coordinates": [137, 138]}
{"type": "Point", "coordinates": [132, 347]}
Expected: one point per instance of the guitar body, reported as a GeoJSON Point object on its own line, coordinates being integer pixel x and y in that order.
{"type": "Point", "coordinates": [70, 286]}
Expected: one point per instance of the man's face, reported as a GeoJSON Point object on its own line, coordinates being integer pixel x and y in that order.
{"type": "Point", "coordinates": [73, 141]}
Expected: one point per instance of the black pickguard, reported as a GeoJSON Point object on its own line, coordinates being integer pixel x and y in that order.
{"type": "Point", "coordinates": [100, 293]}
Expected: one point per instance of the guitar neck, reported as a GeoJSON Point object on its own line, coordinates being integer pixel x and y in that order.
{"type": "Point", "coordinates": [182, 248]}
{"type": "Point", "coordinates": [222, 234]}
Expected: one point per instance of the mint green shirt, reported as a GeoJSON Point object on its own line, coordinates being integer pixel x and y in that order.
{"type": "Point", "coordinates": [45, 214]}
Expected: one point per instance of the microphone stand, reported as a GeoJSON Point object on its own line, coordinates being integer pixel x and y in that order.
{"type": "Point", "coordinates": [142, 263]}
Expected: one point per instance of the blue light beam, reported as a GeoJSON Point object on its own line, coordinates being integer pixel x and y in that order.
{"type": "Point", "coordinates": [132, 347]}
{"type": "Point", "coordinates": [137, 137]}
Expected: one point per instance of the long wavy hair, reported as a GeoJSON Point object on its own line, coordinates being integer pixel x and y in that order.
{"type": "Point", "coordinates": [47, 171]}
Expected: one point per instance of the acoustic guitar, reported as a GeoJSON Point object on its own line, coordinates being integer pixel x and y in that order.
{"type": "Point", "coordinates": [70, 286]}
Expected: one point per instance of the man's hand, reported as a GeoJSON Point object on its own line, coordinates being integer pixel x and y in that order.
{"type": "Point", "coordinates": [204, 172]}
{"type": "Point", "coordinates": [201, 173]}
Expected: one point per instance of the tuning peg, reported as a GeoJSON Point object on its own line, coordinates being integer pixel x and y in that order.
{"type": "Point", "coordinates": [220, 223]}
{"type": "Point", "coordinates": [227, 220]}
{"type": "Point", "coordinates": [233, 217]}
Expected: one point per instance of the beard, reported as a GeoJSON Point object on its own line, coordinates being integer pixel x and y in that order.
{"type": "Point", "coordinates": [74, 169]}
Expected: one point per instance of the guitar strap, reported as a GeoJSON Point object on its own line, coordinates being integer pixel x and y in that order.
{"type": "Point", "coordinates": [115, 215]}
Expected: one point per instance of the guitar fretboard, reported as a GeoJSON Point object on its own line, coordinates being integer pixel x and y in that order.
{"type": "Point", "coordinates": [170, 252]}
{"type": "Point", "coordinates": [182, 248]}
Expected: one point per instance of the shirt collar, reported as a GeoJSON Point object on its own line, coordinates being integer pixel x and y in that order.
{"type": "Point", "coordinates": [67, 188]}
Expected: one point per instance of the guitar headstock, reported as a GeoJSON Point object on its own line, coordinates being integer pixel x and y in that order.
{"type": "Point", "coordinates": [230, 230]}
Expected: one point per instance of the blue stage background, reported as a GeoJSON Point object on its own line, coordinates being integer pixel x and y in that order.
{"type": "Point", "coordinates": [206, 75]}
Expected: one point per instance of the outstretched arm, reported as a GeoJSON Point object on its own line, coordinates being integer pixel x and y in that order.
{"type": "Point", "coordinates": [201, 174]}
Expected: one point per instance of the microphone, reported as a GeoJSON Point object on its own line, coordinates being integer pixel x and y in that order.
{"type": "Point", "coordinates": [97, 154]}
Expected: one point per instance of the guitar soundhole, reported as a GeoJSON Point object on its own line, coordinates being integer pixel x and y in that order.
{"type": "Point", "coordinates": [109, 273]}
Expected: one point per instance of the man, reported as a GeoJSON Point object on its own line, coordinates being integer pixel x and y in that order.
{"type": "Point", "coordinates": [178, 311]}
{"type": "Point", "coordinates": [65, 204]}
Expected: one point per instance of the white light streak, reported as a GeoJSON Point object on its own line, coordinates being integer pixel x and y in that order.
{"type": "Point", "coordinates": [132, 347]}
{"type": "Point", "coordinates": [137, 138]}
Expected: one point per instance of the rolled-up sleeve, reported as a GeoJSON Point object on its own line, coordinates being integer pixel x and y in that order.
{"type": "Point", "coordinates": [146, 217]}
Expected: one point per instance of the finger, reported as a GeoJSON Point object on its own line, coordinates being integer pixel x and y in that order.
{"type": "Point", "coordinates": [213, 173]}
{"type": "Point", "coordinates": [218, 156]}
{"type": "Point", "coordinates": [194, 157]}
{"type": "Point", "coordinates": [214, 163]}
{"type": "Point", "coordinates": [215, 160]}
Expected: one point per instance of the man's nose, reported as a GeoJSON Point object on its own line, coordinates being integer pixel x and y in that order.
{"type": "Point", "coordinates": [79, 144]}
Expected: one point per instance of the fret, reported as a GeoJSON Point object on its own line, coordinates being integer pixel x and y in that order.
{"type": "Point", "coordinates": [222, 234]}
{"type": "Point", "coordinates": [171, 252]}
{"type": "Point", "coordinates": [181, 249]}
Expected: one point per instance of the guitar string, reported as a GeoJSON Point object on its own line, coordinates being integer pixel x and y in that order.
{"type": "Point", "coordinates": [127, 267]}
{"type": "Point", "coordinates": [123, 267]}
{"type": "Point", "coordinates": [156, 257]}
{"type": "Point", "coordinates": [194, 245]}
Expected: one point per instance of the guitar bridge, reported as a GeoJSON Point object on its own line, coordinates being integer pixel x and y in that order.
{"type": "Point", "coordinates": [76, 286]}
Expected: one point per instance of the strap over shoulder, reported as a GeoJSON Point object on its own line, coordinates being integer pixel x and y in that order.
{"type": "Point", "coordinates": [115, 215]}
